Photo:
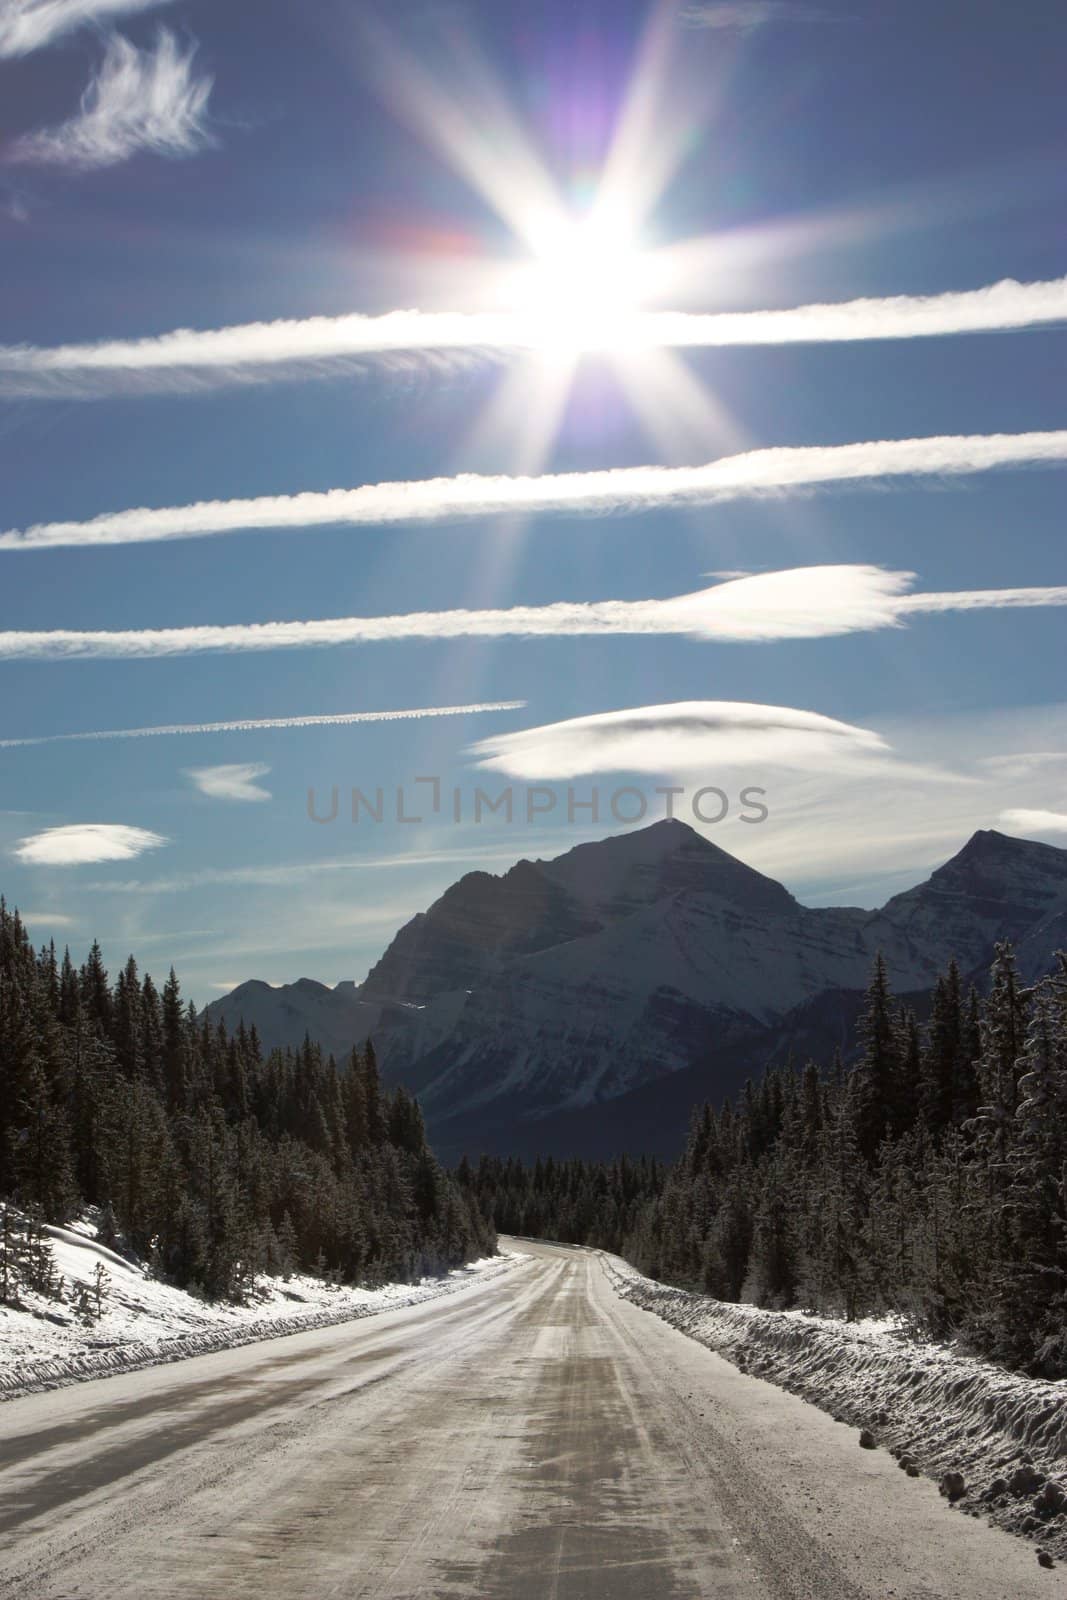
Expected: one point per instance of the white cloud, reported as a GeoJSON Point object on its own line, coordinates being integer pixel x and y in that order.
{"type": "Point", "coordinates": [1029, 822]}
{"type": "Point", "coordinates": [800, 603]}
{"type": "Point", "coordinates": [85, 842]}
{"type": "Point", "coordinates": [1025, 763]}
{"type": "Point", "coordinates": [232, 781]}
{"type": "Point", "coordinates": [757, 474]}
{"type": "Point", "coordinates": [336, 719]}
{"type": "Point", "coordinates": [52, 919]}
{"type": "Point", "coordinates": [704, 736]}
{"type": "Point", "coordinates": [278, 875]}
{"type": "Point", "coordinates": [136, 100]}
{"type": "Point", "coordinates": [28, 25]}
{"type": "Point", "coordinates": [744, 16]}
{"type": "Point", "coordinates": [261, 351]}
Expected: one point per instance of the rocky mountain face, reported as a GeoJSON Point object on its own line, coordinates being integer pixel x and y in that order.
{"type": "Point", "coordinates": [613, 987]}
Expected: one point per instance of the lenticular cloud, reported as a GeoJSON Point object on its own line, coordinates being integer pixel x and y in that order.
{"type": "Point", "coordinates": [82, 843]}
{"type": "Point", "coordinates": [692, 735]}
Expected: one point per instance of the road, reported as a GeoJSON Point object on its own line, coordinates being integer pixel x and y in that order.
{"type": "Point", "coordinates": [532, 1437]}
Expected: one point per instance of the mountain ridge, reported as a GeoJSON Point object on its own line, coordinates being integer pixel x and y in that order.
{"type": "Point", "coordinates": [576, 982]}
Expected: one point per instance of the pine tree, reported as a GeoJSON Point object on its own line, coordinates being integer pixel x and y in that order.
{"type": "Point", "coordinates": [875, 1085]}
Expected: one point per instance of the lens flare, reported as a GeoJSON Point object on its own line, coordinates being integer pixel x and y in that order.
{"type": "Point", "coordinates": [586, 282]}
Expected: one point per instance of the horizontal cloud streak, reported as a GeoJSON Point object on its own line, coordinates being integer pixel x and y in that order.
{"type": "Point", "coordinates": [756, 474]}
{"type": "Point", "coordinates": [334, 719]}
{"type": "Point", "coordinates": [799, 603]}
{"type": "Point", "coordinates": [28, 25]}
{"type": "Point", "coordinates": [261, 351]}
{"type": "Point", "coordinates": [745, 16]}
{"type": "Point", "coordinates": [136, 100]}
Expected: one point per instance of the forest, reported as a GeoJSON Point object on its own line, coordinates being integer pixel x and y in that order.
{"type": "Point", "coordinates": [204, 1157]}
{"type": "Point", "coordinates": [928, 1180]}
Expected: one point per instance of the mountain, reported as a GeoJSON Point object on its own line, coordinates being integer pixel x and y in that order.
{"type": "Point", "coordinates": [585, 1003]}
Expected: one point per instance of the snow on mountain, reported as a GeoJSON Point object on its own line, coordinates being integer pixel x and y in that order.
{"type": "Point", "coordinates": [336, 1018]}
{"type": "Point", "coordinates": [567, 983]}
{"type": "Point", "coordinates": [995, 888]}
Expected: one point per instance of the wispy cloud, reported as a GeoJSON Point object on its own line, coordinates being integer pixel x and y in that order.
{"type": "Point", "coordinates": [800, 603]}
{"type": "Point", "coordinates": [745, 16]}
{"type": "Point", "coordinates": [232, 781]}
{"type": "Point", "coordinates": [277, 875]}
{"type": "Point", "coordinates": [335, 719]}
{"type": "Point", "coordinates": [28, 25]}
{"type": "Point", "coordinates": [84, 842]}
{"type": "Point", "coordinates": [263, 351]}
{"type": "Point", "coordinates": [756, 474]}
{"type": "Point", "coordinates": [53, 919]}
{"type": "Point", "coordinates": [693, 735]}
{"type": "Point", "coordinates": [1028, 822]}
{"type": "Point", "coordinates": [136, 100]}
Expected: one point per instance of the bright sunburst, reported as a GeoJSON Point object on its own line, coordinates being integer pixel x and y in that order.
{"type": "Point", "coordinates": [584, 287]}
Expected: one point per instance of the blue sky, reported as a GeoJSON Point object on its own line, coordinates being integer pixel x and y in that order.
{"type": "Point", "coordinates": [821, 155]}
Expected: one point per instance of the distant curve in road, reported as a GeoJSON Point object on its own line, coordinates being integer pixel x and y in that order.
{"type": "Point", "coordinates": [532, 1437]}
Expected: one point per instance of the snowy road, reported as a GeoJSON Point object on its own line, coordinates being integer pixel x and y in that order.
{"type": "Point", "coordinates": [531, 1437]}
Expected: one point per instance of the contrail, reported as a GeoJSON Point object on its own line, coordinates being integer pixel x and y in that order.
{"type": "Point", "coordinates": [256, 352]}
{"type": "Point", "coordinates": [755, 474]}
{"type": "Point", "coordinates": [336, 719]}
{"type": "Point", "coordinates": [799, 603]}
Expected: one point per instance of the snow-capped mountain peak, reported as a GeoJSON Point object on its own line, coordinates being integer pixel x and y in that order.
{"type": "Point", "coordinates": [570, 982]}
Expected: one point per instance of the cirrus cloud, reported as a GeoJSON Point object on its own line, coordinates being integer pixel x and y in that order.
{"type": "Point", "coordinates": [84, 842]}
{"type": "Point", "coordinates": [28, 25]}
{"type": "Point", "coordinates": [230, 781]}
{"type": "Point", "coordinates": [136, 100]}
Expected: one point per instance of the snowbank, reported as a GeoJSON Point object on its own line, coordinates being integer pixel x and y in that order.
{"type": "Point", "coordinates": [45, 1344]}
{"type": "Point", "coordinates": [936, 1410]}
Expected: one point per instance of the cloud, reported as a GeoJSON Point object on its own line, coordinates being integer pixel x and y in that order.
{"type": "Point", "coordinates": [1024, 763]}
{"type": "Point", "coordinates": [28, 25]}
{"type": "Point", "coordinates": [757, 474]}
{"type": "Point", "coordinates": [262, 351]}
{"type": "Point", "coordinates": [85, 842]}
{"type": "Point", "coordinates": [1029, 822]}
{"type": "Point", "coordinates": [703, 736]}
{"type": "Point", "coordinates": [745, 16]}
{"type": "Point", "coordinates": [277, 875]}
{"type": "Point", "coordinates": [799, 603]}
{"type": "Point", "coordinates": [234, 781]}
{"type": "Point", "coordinates": [54, 919]}
{"type": "Point", "coordinates": [136, 100]}
{"type": "Point", "coordinates": [336, 719]}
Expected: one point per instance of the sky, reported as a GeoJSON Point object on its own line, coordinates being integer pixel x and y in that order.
{"type": "Point", "coordinates": [652, 398]}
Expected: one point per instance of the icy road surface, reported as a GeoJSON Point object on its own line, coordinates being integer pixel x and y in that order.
{"type": "Point", "coordinates": [531, 1436]}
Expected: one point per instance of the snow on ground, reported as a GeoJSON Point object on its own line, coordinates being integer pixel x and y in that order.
{"type": "Point", "coordinates": [938, 1411]}
{"type": "Point", "coordinates": [46, 1344]}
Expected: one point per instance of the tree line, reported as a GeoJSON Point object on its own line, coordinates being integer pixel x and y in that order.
{"type": "Point", "coordinates": [571, 1202]}
{"type": "Point", "coordinates": [928, 1180]}
{"type": "Point", "coordinates": [204, 1155]}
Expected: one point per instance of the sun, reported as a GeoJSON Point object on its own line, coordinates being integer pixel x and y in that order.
{"type": "Point", "coordinates": [584, 287]}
